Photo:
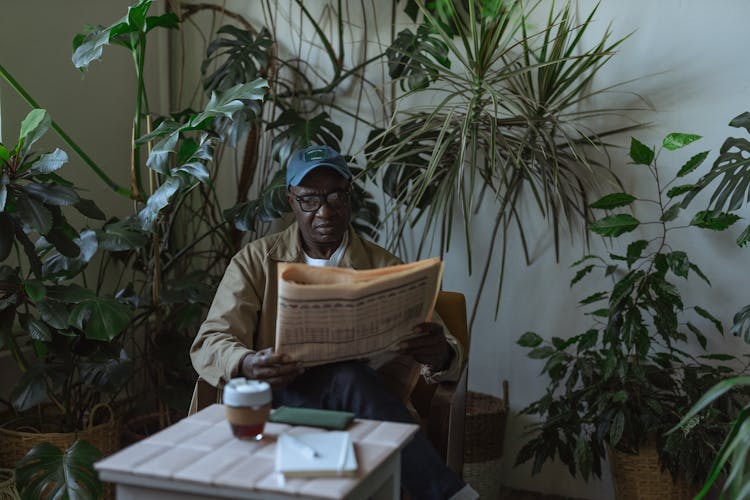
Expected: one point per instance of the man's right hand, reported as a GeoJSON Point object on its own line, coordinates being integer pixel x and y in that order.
{"type": "Point", "coordinates": [279, 370]}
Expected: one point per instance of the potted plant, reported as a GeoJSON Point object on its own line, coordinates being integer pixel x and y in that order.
{"type": "Point", "coordinates": [63, 336]}
{"type": "Point", "coordinates": [621, 385]}
{"type": "Point", "coordinates": [730, 461]}
{"type": "Point", "coordinates": [501, 126]}
{"type": "Point", "coordinates": [79, 340]}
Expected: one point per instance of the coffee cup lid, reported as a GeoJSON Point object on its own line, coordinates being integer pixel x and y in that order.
{"type": "Point", "coordinates": [243, 392]}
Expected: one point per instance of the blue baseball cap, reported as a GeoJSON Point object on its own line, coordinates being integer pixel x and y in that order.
{"type": "Point", "coordinates": [305, 160]}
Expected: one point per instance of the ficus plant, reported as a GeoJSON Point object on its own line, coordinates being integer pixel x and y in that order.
{"type": "Point", "coordinates": [631, 376]}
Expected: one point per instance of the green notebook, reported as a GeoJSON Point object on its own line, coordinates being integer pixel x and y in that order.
{"type": "Point", "coordinates": [327, 419]}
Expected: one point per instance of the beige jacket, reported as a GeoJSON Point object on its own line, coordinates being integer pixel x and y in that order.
{"type": "Point", "coordinates": [242, 317]}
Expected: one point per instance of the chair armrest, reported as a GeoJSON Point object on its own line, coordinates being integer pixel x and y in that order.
{"type": "Point", "coordinates": [446, 420]}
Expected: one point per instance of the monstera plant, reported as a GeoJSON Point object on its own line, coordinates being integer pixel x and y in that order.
{"type": "Point", "coordinates": [84, 335]}
{"type": "Point", "coordinates": [732, 169]}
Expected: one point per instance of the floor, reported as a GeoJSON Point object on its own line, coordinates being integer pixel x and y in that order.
{"type": "Point", "coordinates": [508, 494]}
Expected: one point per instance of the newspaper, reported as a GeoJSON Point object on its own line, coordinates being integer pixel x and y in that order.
{"type": "Point", "coordinates": [328, 314]}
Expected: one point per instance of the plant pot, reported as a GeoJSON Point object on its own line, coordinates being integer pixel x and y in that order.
{"type": "Point", "coordinates": [8, 485]}
{"type": "Point", "coordinates": [640, 477]}
{"type": "Point", "coordinates": [104, 435]}
{"type": "Point", "coordinates": [484, 434]}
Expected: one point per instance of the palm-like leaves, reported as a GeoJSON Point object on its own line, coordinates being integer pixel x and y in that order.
{"type": "Point", "coordinates": [733, 168]}
{"type": "Point", "coordinates": [507, 121]}
{"type": "Point", "coordinates": [735, 451]}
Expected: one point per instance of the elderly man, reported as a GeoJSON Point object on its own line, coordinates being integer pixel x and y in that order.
{"type": "Point", "coordinates": [237, 337]}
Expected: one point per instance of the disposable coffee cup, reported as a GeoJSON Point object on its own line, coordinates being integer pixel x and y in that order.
{"type": "Point", "coordinates": [247, 404]}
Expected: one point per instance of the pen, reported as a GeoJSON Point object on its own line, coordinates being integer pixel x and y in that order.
{"type": "Point", "coordinates": [304, 448]}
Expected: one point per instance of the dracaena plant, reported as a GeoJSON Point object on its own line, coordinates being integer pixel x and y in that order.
{"type": "Point", "coordinates": [632, 376]}
{"type": "Point", "coordinates": [507, 120]}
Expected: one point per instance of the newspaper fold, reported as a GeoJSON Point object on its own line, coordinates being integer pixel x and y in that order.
{"type": "Point", "coordinates": [328, 314]}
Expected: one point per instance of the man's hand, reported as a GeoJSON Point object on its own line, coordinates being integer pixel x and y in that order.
{"type": "Point", "coordinates": [277, 369]}
{"type": "Point", "coordinates": [430, 348]}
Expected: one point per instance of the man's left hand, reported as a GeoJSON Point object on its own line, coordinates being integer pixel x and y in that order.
{"type": "Point", "coordinates": [430, 348]}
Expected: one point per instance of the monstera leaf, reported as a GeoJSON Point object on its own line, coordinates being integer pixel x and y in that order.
{"type": "Point", "coordinates": [732, 166]}
{"type": "Point", "coordinates": [239, 57]}
{"type": "Point", "coordinates": [410, 58]}
{"type": "Point", "coordinates": [48, 472]}
{"type": "Point", "coordinates": [241, 98]}
{"type": "Point", "coordinates": [297, 131]}
{"type": "Point", "coordinates": [270, 205]}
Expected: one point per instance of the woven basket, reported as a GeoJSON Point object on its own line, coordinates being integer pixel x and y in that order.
{"type": "Point", "coordinates": [639, 477]}
{"type": "Point", "coordinates": [15, 443]}
{"type": "Point", "coordinates": [8, 485]}
{"type": "Point", "coordinates": [484, 435]}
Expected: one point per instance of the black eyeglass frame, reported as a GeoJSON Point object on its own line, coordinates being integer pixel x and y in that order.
{"type": "Point", "coordinates": [322, 198]}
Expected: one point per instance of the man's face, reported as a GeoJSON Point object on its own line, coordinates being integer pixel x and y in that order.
{"type": "Point", "coordinates": [324, 227]}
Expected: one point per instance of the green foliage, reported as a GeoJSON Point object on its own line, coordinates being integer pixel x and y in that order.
{"type": "Point", "coordinates": [732, 167]}
{"type": "Point", "coordinates": [129, 32]}
{"type": "Point", "coordinates": [48, 472]}
{"type": "Point", "coordinates": [408, 58]}
{"type": "Point", "coordinates": [66, 324]}
{"type": "Point", "coordinates": [733, 191]}
{"type": "Point", "coordinates": [734, 450]}
{"type": "Point", "coordinates": [629, 379]}
{"type": "Point", "coordinates": [72, 329]}
{"type": "Point", "coordinates": [500, 127]}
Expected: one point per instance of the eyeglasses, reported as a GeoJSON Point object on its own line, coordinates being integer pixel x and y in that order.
{"type": "Point", "coordinates": [337, 200]}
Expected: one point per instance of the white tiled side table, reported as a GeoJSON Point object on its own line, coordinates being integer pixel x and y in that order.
{"type": "Point", "coordinates": [198, 457]}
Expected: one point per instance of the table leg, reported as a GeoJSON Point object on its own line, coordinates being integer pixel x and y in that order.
{"type": "Point", "coordinates": [390, 489]}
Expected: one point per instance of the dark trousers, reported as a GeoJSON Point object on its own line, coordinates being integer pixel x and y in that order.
{"type": "Point", "coordinates": [355, 387]}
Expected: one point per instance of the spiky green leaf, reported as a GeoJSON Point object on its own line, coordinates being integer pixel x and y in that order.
{"type": "Point", "coordinates": [615, 225]}
{"type": "Point", "coordinates": [529, 339]}
{"type": "Point", "coordinates": [682, 189]}
{"type": "Point", "coordinates": [635, 250]}
{"type": "Point", "coordinates": [702, 312]}
{"type": "Point", "coordinates": [708, 219]}
{"type": "Point", "coordinates": [678, 140]}
{"type": "Point", "coordinates": [640, 153]}
{"type": "Point", "coordinates": [741, 324]}
{"type": "Point", "coordinates": [613, 200]}
{"type": "Point", "coordinates": [581, 273]}
{"type": "Point", "coordinates": [693, 163]}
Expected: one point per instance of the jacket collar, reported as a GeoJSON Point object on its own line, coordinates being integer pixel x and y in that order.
{"type": "Point", "coordinates": [287, 248]}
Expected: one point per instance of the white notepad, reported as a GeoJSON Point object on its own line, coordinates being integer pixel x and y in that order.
{"type": "Point", "coordinates": [316, 454]}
